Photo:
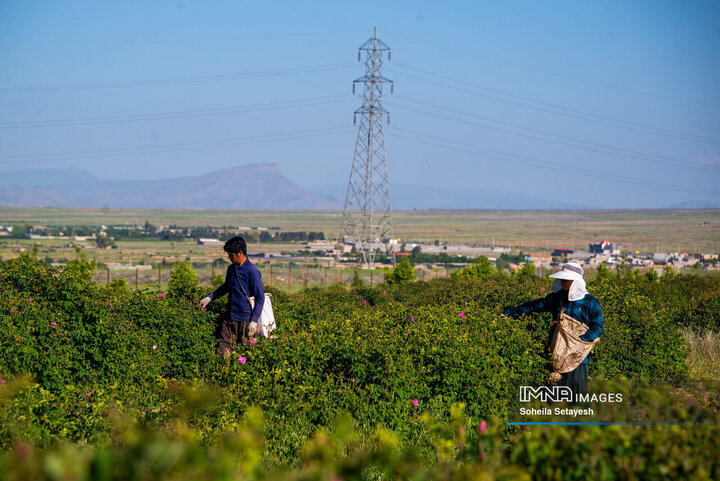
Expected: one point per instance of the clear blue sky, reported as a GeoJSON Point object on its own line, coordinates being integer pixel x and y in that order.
{"type": "Point", "coordinates": [591, 101]}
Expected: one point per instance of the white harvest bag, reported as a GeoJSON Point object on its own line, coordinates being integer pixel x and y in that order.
{"type": "Point", "coordinates": [266, 323]}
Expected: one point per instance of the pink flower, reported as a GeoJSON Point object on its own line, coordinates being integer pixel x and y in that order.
{"type": "Point", "coordinates": [162, 295]}
{"type": "Point", "coordinates": [241, 360]}
{"type": "Point", "coordinates": [462, 315]}
{"type": "Point", "coordinates": [29, 299]}
{"type": "Point", "coordinates": [363, 302]}
{"type": "Point", "coordinates": [11, 311]}
{"type": "Point", "coordinates": [154, 346]}
{"type": "Point", "coordinates": [53, 324]}
{"type": "Point", "coordinates": [253, 341]}
{"type": "Point", "coordinates": [415, 402]}
{"type": "Point", "coordinates": [483, 427]}
{"type": "Point", "coordinates": [351, 380]}
{"type": "Point", "coordinates": [226, 352]}
{"type": "Point", "coordinates": [542, 289]}
{"type": "Point", "coordinates": [88, 393]}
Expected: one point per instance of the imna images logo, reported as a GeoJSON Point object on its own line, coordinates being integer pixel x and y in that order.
{"type": "Point", "coordinates": [556, 394]}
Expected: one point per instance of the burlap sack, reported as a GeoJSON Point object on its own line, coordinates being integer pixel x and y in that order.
{"type": "Point", "coordinates": [568, 350]}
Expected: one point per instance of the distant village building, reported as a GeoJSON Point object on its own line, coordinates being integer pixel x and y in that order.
{"type": "Point", "coordinates": [207, 241]}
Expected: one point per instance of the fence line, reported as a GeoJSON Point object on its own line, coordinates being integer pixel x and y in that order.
{"type": "Point", "coordinates": [288, 276]}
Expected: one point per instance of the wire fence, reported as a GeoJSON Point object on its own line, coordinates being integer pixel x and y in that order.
{"type": "Point", "coordinates": [286, 276]}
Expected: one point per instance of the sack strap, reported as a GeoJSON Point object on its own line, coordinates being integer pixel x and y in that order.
{"type": "Point", "coordinates": [237, 275]}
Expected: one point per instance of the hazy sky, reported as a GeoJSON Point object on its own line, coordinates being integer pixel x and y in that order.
{"type": "Point", "coordinates": [608, 103]}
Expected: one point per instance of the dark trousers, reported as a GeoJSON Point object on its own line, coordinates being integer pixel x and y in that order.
{"type": "Point", "coordinates": [576, 380]}
{"type": "Point", "coordinates": [229, 333]}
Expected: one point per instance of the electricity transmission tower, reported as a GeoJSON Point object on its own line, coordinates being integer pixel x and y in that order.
{"type": "Point", "coordinates": [366, 219]}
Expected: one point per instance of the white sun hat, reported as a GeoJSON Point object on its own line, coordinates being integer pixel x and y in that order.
{"type": "Point", "coordinates": [571, 271]}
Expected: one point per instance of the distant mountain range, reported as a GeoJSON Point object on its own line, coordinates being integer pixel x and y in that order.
{"type": "Point", "coordinates": [251, 186]}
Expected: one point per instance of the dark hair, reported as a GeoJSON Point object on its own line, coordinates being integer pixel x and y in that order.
{"type": "Point", "coordinates": [235, 245]}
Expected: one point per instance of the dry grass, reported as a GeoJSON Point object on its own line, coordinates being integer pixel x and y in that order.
{"type": "Point", "coordinates": [704, 355]}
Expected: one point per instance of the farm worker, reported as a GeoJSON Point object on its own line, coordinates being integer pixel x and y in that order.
{"type": "Point", "coordinates": [242, 281]}
{"type": "Point", "coordinates": [569, 293]}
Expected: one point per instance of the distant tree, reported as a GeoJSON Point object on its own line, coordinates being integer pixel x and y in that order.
{"type": "Point", "coordinates": [183, 280]}
{"type": "Point", "coordinates": [480, 268]}
{"type": "Point", "coordinates": [402, 274]}
{"type": "Point", "coordinates": [652, 275]}
{"type": "Point", "coordinates": [527, 271]}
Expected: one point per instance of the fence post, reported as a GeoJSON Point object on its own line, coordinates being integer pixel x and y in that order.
{"type": "Point", "coordinates": [289, 276]}
{"type": "Point", "coordinates": [271, 275]}
{"type": "Point", "coordinates": [371, 278]}
{"type": "Point", "coordinates": [136, 278]}
{"type": "Point", "coordinates": [324, 274]}
{"type": "Point", "coordinates": [108, 276]}
{"type": "Point", "coordinates": [159, 275]}
{"type": "Point", "coordinates": [305, 278]}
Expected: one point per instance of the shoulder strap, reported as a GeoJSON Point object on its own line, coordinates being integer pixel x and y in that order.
{"type": "Point", "coordinates": [237, 275]}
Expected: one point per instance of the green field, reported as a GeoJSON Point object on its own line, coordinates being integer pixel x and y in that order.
{"type": "Point", "coordinates": [642, 230]}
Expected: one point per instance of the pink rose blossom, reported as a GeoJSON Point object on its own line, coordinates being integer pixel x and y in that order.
{"type": "Point", "coordinates": [162, 295]}
{"type": "Point", "coordinates": [363, 302]}
{"type": "Point", "coordinates": [53, 324]}
{"type": "Point", "coordinates": [253, 341]}
{"type": "Point", "coordinates": [542, 289]}
{"type": "Point", "coordinates": [241, 360]}
{"type": "Point", "coordinates": [415, 402]}
{"type": "Point", "coordinates": [29, 299]}
{"type": "Point", "coordinates": [483, 427]}
{"type": "Point", "coordinates": [88, 393]}
{"type": "Point", "coordinates": [462, 315]}
{"type": "Point", "coordinates": [154, 346]}
{"type": "Point", "coordinates": [351, 380]}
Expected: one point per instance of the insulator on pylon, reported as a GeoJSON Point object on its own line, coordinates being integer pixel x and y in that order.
{"type": "Point", "coordinates": [388, 119]}
{"type": "Point", "coordinates": [358, 55]}
{"type": "Point", "coordinates": [392, 88]}
{"type": "Point", "coordinates": [354, 119]}
{"type": "Point", "coordinates": [353, 88]}
{"type": "Point", "coordinates": [389, 55]}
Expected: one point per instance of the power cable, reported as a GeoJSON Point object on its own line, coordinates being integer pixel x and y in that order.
{"type": "Point", "coordinates": [542, 164]}
{"type": "Point", "coordinates": [595, 146]}
{"type": "Point", "coordinates": [150, 149]}
{"type": "Point", "coordinates": [569, 112]}
{"type": "Point", "coordinates": [177, 81]}
{"type": "Point", "coordinates": [284, 104]}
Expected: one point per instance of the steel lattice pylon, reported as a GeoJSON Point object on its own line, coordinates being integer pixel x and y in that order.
{"type": "Point", "coordinates": [366, 217]}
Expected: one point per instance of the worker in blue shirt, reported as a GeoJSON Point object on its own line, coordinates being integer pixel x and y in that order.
{"type": "Point", "coordinates": [569, 293]}
{"type": "Point", "coordinates": [242, 281]}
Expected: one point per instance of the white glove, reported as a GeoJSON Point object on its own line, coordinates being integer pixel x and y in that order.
{"type": "Point", "coordinates": [204, 302]}
{"type": "Point", "coordinates": [252, 329]}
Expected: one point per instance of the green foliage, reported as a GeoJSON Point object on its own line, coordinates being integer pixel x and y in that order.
{"type": "Point", "coordinates": [402, 274]}
{"type": "Point", "coordinates": [183, 280]}
{"type": "Point", "coordinates": [480, 268]}
{"type": "Point", "coordinates": [91, 351]}
{"type": "Point", "coordinates": [652, 275]}
{"type": "Point", "coordinates": [527, 270]}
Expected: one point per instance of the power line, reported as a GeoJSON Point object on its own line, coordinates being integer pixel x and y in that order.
{"type": "Point", "coordinates": [151, 149]}
{"type": "Point", "coordinates": [177, 81]}
{"type": "Point", "coordinates": [542, 164]}
{"type": "Point", "coordinates": [555, 74]}
{"type": "Point", "coordinates": [569, 112]}
{"type": "Point", "coordinates": [283, 104]}
{"type": "Point", "coordinates": [594, 146]}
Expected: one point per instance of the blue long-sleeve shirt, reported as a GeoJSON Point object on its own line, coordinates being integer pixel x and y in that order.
{"type": "Point", "coordinates": [585, 310]}
{"type": "Point", "coordinates": [238, 305]}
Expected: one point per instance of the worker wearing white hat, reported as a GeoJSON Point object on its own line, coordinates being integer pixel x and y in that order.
{"type": "Point", "coordinates": [569, 294]}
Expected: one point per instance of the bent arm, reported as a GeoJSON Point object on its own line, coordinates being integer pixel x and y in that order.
{"type": "Point", "coordinates": [544, 304]}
